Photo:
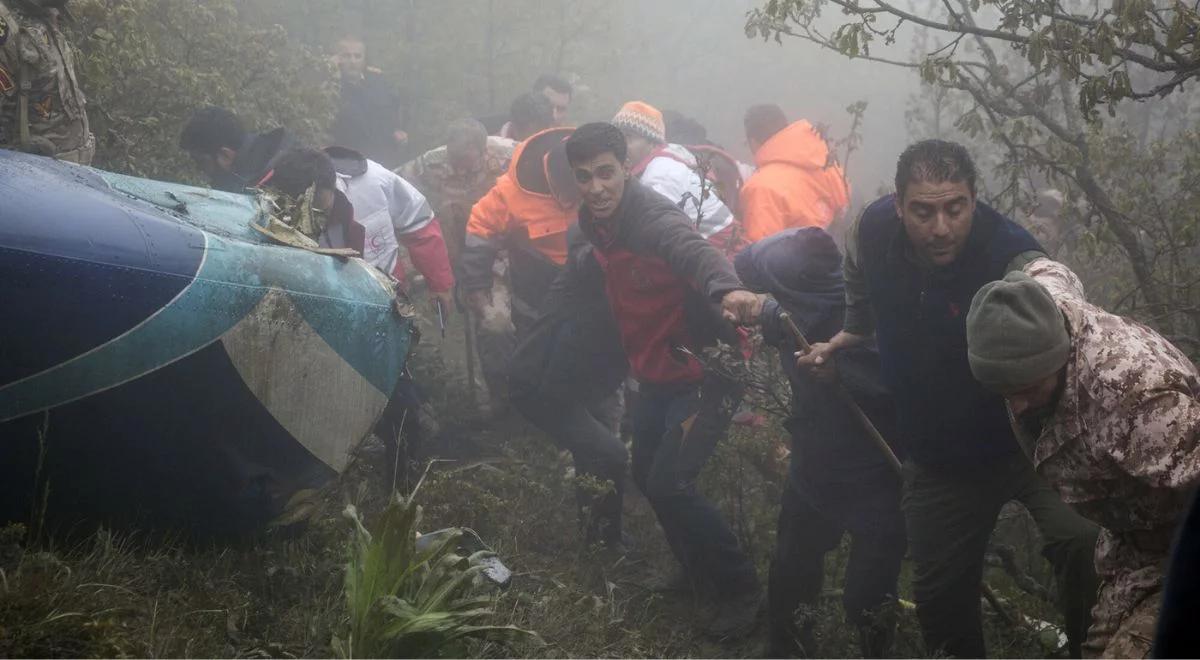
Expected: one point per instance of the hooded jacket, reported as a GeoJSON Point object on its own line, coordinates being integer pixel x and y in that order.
{"type": "Point", "coordinates": [794, 186]}
{"type": "Point", "coordinates": [528, 213]}
{"type": "Point", "coordinates": [663, 280]}
{"type": "Point", "coordinates": [392, 212]}
{"type": "Point", "coordinates": [801, 269]}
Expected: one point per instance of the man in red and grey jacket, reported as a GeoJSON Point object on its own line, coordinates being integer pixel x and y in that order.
{"type": "Point", "coordinates": [672, 293]}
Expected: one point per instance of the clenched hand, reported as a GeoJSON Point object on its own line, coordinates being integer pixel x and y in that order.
{"type": "Point", "coordinates": [741, 307]}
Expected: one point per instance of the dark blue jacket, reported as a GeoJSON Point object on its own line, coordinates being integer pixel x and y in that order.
{"type": "Point", "coordinates": [801, 269]}
{"type": "Point", "coordinates": [945, 416]}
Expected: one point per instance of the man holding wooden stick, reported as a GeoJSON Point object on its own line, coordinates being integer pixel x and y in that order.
{"type": "Point", "coordinates": [838, 482]}
{"type": "Point", "coordinates": [913, 262]}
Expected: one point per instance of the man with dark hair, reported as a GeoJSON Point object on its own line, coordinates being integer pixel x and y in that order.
{"type": "Point", "coordinates": [42, 107]}
{"type": "Point", "coordinates": [913, 262]}
{"type": "Point", "coordinates": [530, 113]}
{"type": "Point", "coordinates": [762, 122]}
{"type": "Point", "coordinates": [671, 293]}
{"type": "Point", "coordinates": [370, 115]}
{"type": "Point", "coordinates": [681, 129]}
{"type": "Point", "coordinates": [795, 185]}
{"type": "Point", "coordinates": [558, 92]}
{"type": "Point", "coordinates": [301, 172]}
{"type": "Point", "coordinates": [232, 159]}
{"type": "Point", "coordinates": [838, 482]}
{"type": "Point", "coordinates": [358, 204]}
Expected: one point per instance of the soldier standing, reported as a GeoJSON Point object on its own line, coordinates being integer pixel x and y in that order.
{"type": "Point", "coordinates": [42, 107]}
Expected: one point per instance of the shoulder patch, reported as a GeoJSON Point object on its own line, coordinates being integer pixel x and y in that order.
{"type": "Point", "coordinates": [6, 81]}
{"type": "Point", "coordinates": [4, 30]}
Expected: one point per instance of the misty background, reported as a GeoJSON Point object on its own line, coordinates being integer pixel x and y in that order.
{"type": "Point", "coordinates": [472, 57]}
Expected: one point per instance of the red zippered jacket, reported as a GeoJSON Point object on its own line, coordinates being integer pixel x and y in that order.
{"type": "Point", "coordinates": [664, 282]}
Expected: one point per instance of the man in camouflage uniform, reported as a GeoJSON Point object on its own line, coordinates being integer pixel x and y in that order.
{"type": "Point", "coordinates": [453, 178]}
{"type": "Point", "coordinates": [456, 175]}
{"type": "Point", "coordinates": [1109, 411]}
{"type": "Point", "coordinates": [42, 108]}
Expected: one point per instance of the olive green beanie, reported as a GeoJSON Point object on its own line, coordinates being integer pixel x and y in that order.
{"type": "Point", "coordinates": [1016, 335]}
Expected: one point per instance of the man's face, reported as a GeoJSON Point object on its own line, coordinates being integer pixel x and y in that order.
{"type": "Point", "coordinates": [937, 218]}
{"type": "Point", "coordinates": [1034, 403]}
{"type": "Point", "coordinates": [351, 58]}
{"type": "Point", "coordinates": [637, 146]}
{"type": "Point", "coordinates": [466, 161]}
{"type": "Point", "coordinates": [601, 183]}
{"type": "Point", "coordinates": [215, 164]}
{"type": "Point", "coordinates": [560, 101]}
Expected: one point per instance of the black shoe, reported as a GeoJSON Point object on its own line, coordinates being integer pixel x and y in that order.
{"type": "Point", "coordinates": [736, 616]}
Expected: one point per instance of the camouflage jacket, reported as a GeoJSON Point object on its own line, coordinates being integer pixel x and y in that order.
{"type": "Point", "coordinates": [34, 47]}
{"type": "Point", "coordinates": [452, 194]}
{"type": "Point", "coordinates": [1122, 445]}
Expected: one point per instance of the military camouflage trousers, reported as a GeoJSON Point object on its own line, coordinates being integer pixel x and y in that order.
{"type": "Point", "coordinates": [1129, 636]}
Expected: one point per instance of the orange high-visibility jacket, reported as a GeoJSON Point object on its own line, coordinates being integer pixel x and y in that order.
{"type": "Point", "coordinates": [794, 185]}
{"type": "Point", "coordinates": [522, 201]}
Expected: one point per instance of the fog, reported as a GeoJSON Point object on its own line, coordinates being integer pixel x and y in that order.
{"type": "Point", "coordinates": [692, 56]}
{"type": "Point", "coordinates": [716, 85]}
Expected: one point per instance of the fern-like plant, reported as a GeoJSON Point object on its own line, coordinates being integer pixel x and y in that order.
{"type": "Point", "coordinates": [406, 602]}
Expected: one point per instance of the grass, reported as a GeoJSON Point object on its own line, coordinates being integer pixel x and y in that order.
{"type": "Point", "coordinates": [283, 594]}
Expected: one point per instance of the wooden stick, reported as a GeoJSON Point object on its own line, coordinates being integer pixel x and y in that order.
{"type": "Point", "coordinates": [848, 400]}
{"type": "Point", "coordinates": [883, 446]}
{"type": "Point", "coordinates": [469, 334]}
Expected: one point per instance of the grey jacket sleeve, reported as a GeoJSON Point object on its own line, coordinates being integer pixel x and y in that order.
{"type": "Point", "coordinates": [689, 254]}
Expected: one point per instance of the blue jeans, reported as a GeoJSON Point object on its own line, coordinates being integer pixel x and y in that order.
{"type": "Point", "coordinates": [675, 430]}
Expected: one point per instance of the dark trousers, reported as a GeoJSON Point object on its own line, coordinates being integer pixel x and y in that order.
{"type": "Point", "coordinates": [591, 432]}
{"type": "Point", "coordinates": [400, 429]}
{"type": "Point", "coordinates": [675, 430]}
{"type": "Point", "coordinates": [950, 513]}
{"type": "Point", "coordinates": [798, 569]}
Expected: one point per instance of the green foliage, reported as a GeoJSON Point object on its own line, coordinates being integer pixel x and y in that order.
{"type": "Point", "coordinates": [1080, 40]}
{"type": "Point", "coordinates": [408, 603]}
{"type": "Point", "coordinates": [148, 64]}
{"type": "Point", "coordinates": [1022, 83]}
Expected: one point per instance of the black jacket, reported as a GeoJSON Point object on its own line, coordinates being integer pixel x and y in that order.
{"type": "Point", "coordinates": [254, 161]}
{"type": "Point", "coordinates": [573, 351]}
{"type": "Point", "coordinates": [801, 269]}
{"type": "Point", "coordinates": [368, 116]}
